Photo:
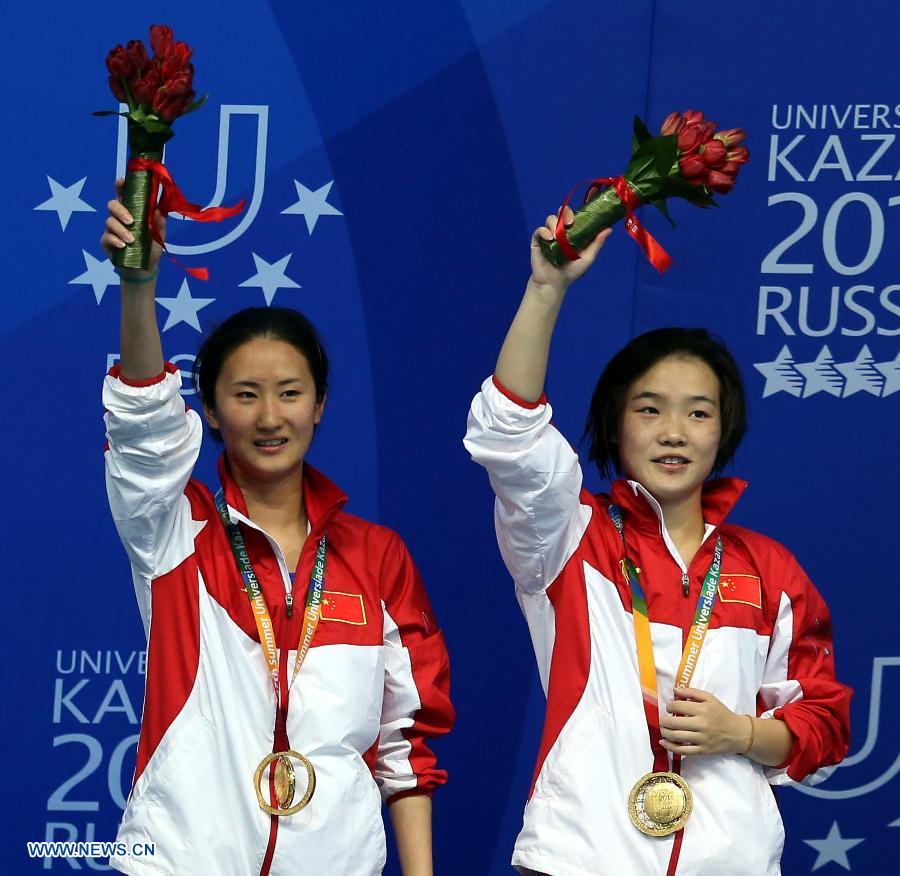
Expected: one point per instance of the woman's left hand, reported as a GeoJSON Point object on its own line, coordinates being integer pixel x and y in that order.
{"type": "Point", "coordinates": [698, 723]}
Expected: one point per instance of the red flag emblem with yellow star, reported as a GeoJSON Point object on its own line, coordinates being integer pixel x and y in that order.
{"type": "Point", "coordinates": [741, 588]}
{"type": "Point", "coordinates": [346, 608]}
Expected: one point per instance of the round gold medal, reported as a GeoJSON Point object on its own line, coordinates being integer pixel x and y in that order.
{"type": "Point", "coordinates": [660, 803]}
{"type": "Point", "coordinates": [285, 782]}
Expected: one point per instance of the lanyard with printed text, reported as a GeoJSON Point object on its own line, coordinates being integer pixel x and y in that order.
{"type": "Point", "coordinates": [697, 635]}
{"type": "Point", "coordinates": [264, 626]}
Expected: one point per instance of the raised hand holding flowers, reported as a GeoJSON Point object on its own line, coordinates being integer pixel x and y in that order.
{"type": "Point", "coordinates": [689, 159]}
{"type": "Point", "coordinates": [158, 90]}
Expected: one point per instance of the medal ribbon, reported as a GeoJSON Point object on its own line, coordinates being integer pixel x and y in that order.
{"type": "Point", "coordinates": [656, 255]}
{"type": "Point", "coordinates": [696, 637]}
{"type": "Point", "coordinates": [314, 595]}
{"type": "Point", "coordinates": [173, 200]}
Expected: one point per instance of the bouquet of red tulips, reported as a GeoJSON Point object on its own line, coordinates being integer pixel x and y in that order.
{"type": "Point", "coordinates": [158, 90]}
{"type": "Point", "coordinates": [689, 159]}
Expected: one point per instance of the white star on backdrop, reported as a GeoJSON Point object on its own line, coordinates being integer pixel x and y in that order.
{"type": "Point", "coordinates": [312, 204]}
{"type": "Point", "coordinates": [781, 375]}
{"type": "Point", "coordinates": [65, 200]}
{"type": "Point", "coordinates": [861, 374]}
{"type": "Point", "coordinates": [891, 372]}
{"type": "Point", "coordinates": [270, 277]}
{"type": "Point", "coordinates": [99, 274]}
{"type": "Point", "coordinates": [821, 375]}
{"type": "Point", "coordinates": [183, 308]}
{"type": "Point", "coordinates": [833, 848]}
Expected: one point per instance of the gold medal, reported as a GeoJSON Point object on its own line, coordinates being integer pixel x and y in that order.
{"type": "Point", "coordinates": [660, 803]}
{"type": "Point", "coordinates": [285, 782]}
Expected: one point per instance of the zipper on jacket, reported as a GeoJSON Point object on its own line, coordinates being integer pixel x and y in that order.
{"type": "Point", "coordinates": [289, 603]}
{"type": "Point", "coordinates": [685, 584]}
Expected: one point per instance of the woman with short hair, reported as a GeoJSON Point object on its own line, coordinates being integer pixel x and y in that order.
{"type": "Point", "coordinates": [687, 662]}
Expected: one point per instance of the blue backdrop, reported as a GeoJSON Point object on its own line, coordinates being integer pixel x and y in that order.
{"type": "Point", "coordinates": [395, 159]}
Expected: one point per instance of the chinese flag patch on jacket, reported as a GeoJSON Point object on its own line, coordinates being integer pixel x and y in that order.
{"type": "Point", "coordinates": [741, 588]}
{"type": "Point", "coordinates": [347, 608]}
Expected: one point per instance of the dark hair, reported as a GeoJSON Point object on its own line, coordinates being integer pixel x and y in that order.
{"type": "Point", "coordinates": [638, 357]}
{"type": "Point", "coordinates": [274, 323]}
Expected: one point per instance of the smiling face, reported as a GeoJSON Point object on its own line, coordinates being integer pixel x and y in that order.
{"type": "Point", "coordinates": [266, 410]}
{"type": "Point", "coordinates": [670, 429]}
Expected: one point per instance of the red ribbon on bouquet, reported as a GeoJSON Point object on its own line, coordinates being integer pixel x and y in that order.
{"type": "Point", "coordinates": [173, 200]}
{"type": "Point", "coordinates": [656, 255]}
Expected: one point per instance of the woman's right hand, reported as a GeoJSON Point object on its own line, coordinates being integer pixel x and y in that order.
{"type": "Point", "coordinates": [522, 365]}
{"type": "Point", "coordinates": [118, 234]}
{"type": "Point", "coordinates": [545, 274]}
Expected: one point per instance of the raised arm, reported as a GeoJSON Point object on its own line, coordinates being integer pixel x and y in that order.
{"type": "Point", "coordinates": [152, 440]}
{"type": "Point", "coordinates": [535, 474]}
{"type": "Point", "coordinates": [522, 365]}
{"type": "Point", "coordinates": [141, 347]}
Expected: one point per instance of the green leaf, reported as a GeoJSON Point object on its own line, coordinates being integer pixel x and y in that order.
{"type": "Point", "coordinates": [138, 115]}
{"type": "Point", "coordinates": [652, 161]}
{"type": "Point", "coordinates": [641, 132]}
{"type": "Point", "coordinates": [130, 97]}
{"type": "Point", "coordinates": [642, 169]}
{"type": "Point", "coordinates": [666, 153]}
{"type": "Point", "coordinates": [699, 196]}
{"type": "Point", "coordinates": [655, 146]}
{"type": "Point", "coordinates": [155, 125]}
{"type": "Point", "coordinates": [663, 207]}
{"type": "Point", "coordinates": [196, 105]}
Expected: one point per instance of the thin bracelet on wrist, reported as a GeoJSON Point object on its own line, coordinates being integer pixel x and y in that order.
{"type": "Point", "coordinates": [147, 278]}
{"type": "Point", "coordinates": [752, 736]}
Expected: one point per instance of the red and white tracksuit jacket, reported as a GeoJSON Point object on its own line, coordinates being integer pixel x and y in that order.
{"type": "Point", "coordinates": [373, 687]}
{"type": "Point", "coordinates": [768, 652]}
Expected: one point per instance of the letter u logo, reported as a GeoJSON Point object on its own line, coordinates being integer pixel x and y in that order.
{"type": "Point", "coordinates": [885, 751]}
{"type": "Point", "coordinates": [226, 111]}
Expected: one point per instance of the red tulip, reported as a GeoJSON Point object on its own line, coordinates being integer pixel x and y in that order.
{"type": "Point", "coordinates": [117, 89]}
{"type": "Point", "coordinates": [183, 52]}
{"type": "Point", "coordinates": [161, 39]}
{"type": "Point", "coordinates": [672, 124]}
{"type": "Point", "coordinates": [175, 61]}
{"type": "Point", "coordinates": [170, 106]}
{"type": "Point", "coordinates": [118, 63]}
{"type": "Point", "coordinates": [707, 130]}
{"type": "Point", "coordinates": [732, 136]}
{"type": "Point", "coordinates": [693, 168]}
{"type": "Point", "coordinates": [689, 139]}
{"type": "Point", "coordinates": [739, 156]}
{"type": "Point", "coordinates": [162, 105]}
{"type": "Point", "coordinates": [179, 84]}
{"type": "Point", "coordinates": [719, 182]}
{"type": "Point", "coordinates": [137, 54]}
{"type": "Point", "coordinates": [146, 87]}
{"type": "Point", "coordinates": [692, 117]}
{"type": "Point", "coordinates": [714, 153]}
{"type": "Point", "coordinates": [730, 169]}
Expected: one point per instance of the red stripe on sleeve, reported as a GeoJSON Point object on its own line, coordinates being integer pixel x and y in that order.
{"type": "Point", "coordinates": [518, 400]}
{"type": "Point", "coordinates": [116, 371]}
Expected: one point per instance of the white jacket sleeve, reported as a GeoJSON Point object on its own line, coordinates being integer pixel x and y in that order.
{"type": "Point", "coordinates": [153, 443]}
{"type": "Point", "coordinates": [536, 477]}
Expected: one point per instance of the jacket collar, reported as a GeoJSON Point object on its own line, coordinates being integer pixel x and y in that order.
{"type": "Point", "coordinates": [322, 498]}
{"type": "Point", "coordinates": [642, 511]}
